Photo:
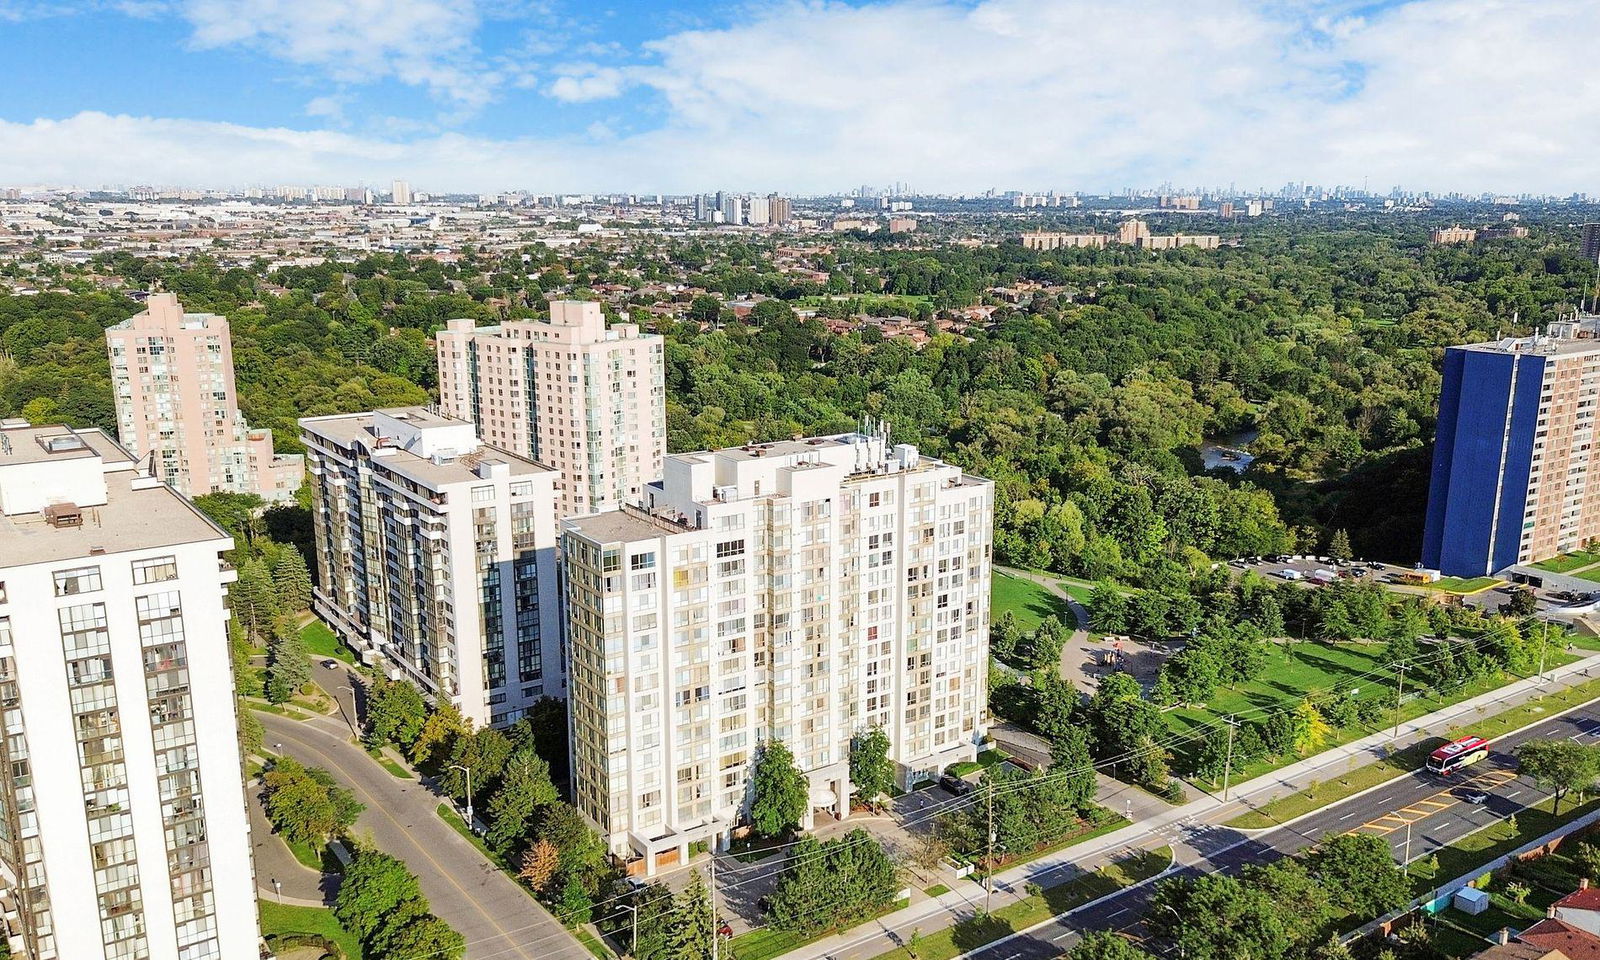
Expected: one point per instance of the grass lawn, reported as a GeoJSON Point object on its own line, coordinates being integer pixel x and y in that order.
{"type": "Point", "coordinates": [768, 942]}
{"type": "Point", "coordinates": [1568, 562]}
{"type": "Point", "coordinates": [279, 918]}
{"type": "Point", "coordinates": [1463, 584]}
{"type": "Point", "coordinates": [987, 758]}
{"type": "Point", "coordinates": [394, 769]}
{"type": "Point", "coordinates": [1593, 576]}
{"type": "Point", "coordinates": [1080, 594]}
{"type": "Point", "coordinates": [969, 935]}
{"type": "Point", "coordinates": [278, 710]}
{"type": "Point", "coordinates": [1410, 759]}
{"type": "Point", "coordinates": [321, 641]}
{"type": "Point", "coordinates": [592, 943]}
{"type": "Point", "coordinates": [937, 890]}
{"type": "Point", "coordinates": [1029, 602]}
{"type": "Point", "coordinates": [1303, 667]}
{"type": "Point", "coordinates": [1472, 851]}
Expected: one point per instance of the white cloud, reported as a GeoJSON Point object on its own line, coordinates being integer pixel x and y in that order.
{"type": "Point", "coordinates": [1071, 94]}
{"type": "Point", "coordinates": [426, 43]}
{"type": "Point", "coordinates": [585, 82]}
{"type": "Point", "coordinates": [330, 107]}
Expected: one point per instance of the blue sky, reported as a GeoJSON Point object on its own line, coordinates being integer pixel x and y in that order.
{"type": "Point", "coordinates": [956, 95]}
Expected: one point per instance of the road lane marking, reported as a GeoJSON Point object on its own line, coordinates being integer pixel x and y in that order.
{"type": "Point", "coordinates": [1420, 810]}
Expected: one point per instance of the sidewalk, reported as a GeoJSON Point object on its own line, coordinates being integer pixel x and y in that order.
{"type": "Point", "coordinates": [937, 913]}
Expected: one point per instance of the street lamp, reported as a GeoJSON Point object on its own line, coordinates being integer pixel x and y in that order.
{"type": "Point", "coordinates": [1182, 950]}
{"type": "Point", "coordinates": [277, 888]}
{"type": "Point", "coordinates": [457, 766]}
{"type": "Point", "coordinates": [351, 719]}
{"type": "Point", "coordinates": [633, 945]}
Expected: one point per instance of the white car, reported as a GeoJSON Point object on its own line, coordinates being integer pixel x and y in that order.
{"type": "Point", "coordinates": [1290, 574]}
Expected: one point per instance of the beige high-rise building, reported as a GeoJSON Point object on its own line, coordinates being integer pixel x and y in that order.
{"type": "Point", "coordinates": [568, 392]}
{"type": "Point", "coordinates": [805, 591]}
{"type": "Point", "coordinates": [172, 373]}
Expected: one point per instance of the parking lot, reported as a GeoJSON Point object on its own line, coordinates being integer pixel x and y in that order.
{"type": "Point", "coordinates": [1305, 568]}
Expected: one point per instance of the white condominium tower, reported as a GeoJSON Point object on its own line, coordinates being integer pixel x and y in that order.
{"type": "Point", "coordinates": [437, 557]}
{"type": "Point", "coordinates": [807, 591]}
{"type": "Point", "coordinates": [570, 392]}
{"type": "Point", "coordinates": [123, 833]}
{"type": "Point", "coordinates": [176, 403]}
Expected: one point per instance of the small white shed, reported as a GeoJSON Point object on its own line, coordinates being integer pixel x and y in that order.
{"type": "Point", "coordinates": [1471, 900]}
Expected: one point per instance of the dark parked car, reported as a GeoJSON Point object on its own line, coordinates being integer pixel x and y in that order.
{"type": "Point", "coordinates": [955, 785]}
{"type": "Point", "coordinates": [1475, 797]}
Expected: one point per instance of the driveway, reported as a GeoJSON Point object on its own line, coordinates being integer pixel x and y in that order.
{"type": "Point", "coordinates": [498, 918]}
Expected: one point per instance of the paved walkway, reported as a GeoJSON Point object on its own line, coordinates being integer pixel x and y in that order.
{"type": "Point", "coordinates": [496, 916]}
{"type": "Point", "coordinates": [930, 914]}
{"type": "Point", "coordinates": [297, 883]}
{"type": "Point", "coordinates": [1084, 657]}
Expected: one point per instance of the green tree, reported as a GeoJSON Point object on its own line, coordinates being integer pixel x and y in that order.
{"type": "Point", "coordinates": [377, 891]}
{"type": "Point", "coordinates": [574, 907]}
{"type": "Point", "coordinates": [436, 736]}
{"type": "Point", "coordinates": [1339, 545]}
{"type": "Point", "coordinates": [694, 927]}
{"type": "Point", "coordinates": [254, 599]}
{"type": "Point", "coordinates": [1105, 945]}
{"type": "Point", "coordinates": [524, 790]}
{"type": "Point", "coordinates": [288, 664]}
{"type": "Point", "coordinates": [1587, 857]}
{"type": "Point", "coordinates": [1361, 868]}
{"type": "Point", "coordinates": [780, 795]}
{"type": "Point", "coordinates": [1560, 766]}
{"type": "Point", "coordinates": [485, 752]}
{"type": "Point", "coordinates": [581, 851]}
{"type": "Point", "coordinates": [871, 770]}
{"type": "Point", "coordinates": [424, 938]}
{"type": "Point", "coordinates": [396, 713]}
{"type": "Point", "coordinates": [1218, 917]}
{"type": "Point", "coordinates": [1005, 635]}
{"type": "Point", "coordinates": [291, 581]}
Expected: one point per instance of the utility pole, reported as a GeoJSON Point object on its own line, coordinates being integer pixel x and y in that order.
{"type": "Point", "coordinates": [1227, 765]}
{"type": "Point", "coordinates": [471, 828]}
{"type": "Point", "coordinates": [1407, 855]}
{"type": "Point", "coordinates": [712, 871]}
{"type": "Point", "coordinates": [1399, 692]}
{"type": "Point", "coordinates": [988, 874]}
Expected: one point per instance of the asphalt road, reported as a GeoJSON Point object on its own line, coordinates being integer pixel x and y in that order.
{"type": "Point", "coordinates": [1436, 815]}
{"type": "Point", "coordinates": [497, 918]}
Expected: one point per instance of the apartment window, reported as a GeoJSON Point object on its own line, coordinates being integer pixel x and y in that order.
{"type": "Point", "coordinates": [483, 494]}
{"type": "Point", "coordinates": [643, 561]}
{"type": "Point", "coordinates": [81, 580]}
{"type": "Point", "coordinates": [155, 570]}
{"type": "Point", "coordinates": [522, 488]}
{"type": "Point", "coordinates": [730, 548]}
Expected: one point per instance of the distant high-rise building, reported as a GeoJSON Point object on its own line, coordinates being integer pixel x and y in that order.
{"type": "Point", "coordinates": [760, 211]}
{"type": "Point", "coordinates": [1591, 241]}
{"type": "Point", "coordinates": [569, 392]}
{"type": "Point", "coordinates": [437, 554]}
{"type": "Point", "coordinates": [1514, 478]}
{"type": "Point", "coordinates": [1445, 236]}
{"type": "Point", "coordinates": [702, 207]}
{"type": "Point", "coordinates": [172, 375]}
{"type": "Point", "coordinates": [781, 209]}
{"type": "Point", "coordinates": [803, 591]}
{"type": "Point", "coordinates": [400, 192]}
{"type": "Point", "coordinates": [733, 209]}
{"type": "Point", "coordinates": [124, 831]}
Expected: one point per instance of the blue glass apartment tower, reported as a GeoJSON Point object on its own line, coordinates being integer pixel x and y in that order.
{"type": "Point", "coordinates": [1510, 481]}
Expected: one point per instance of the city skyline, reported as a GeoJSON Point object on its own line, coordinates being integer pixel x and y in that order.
{"type": "Point", "coordinates": [495, 96]}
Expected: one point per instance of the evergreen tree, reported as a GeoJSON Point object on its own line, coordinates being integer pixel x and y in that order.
{"type": "Point", "coordinates": [288, 665]}
{"type": "Point", "coordinates": [694, 925]}
{"type": "Point", "coordinates": [291, 581]}
{"type": "Point", "coordinates": [255, 601]}
{"type": "Point", "coordinates": [1339, 545]}
{"type": "Point", "coordinates": [525, 789]}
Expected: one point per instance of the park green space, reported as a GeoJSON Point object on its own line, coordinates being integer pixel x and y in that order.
{"type": "Point", "coordinates": [1026, 600]}
{"type": "Point", "coordinates": [321, 642]}
{"type": "Point", "coordinates": [1303, 668]}
{"type": "Point", "coordinates": [1037, 907]}
{"type": "Point", "coordinates": [1409, 760]}
{"type": "Point", "coordinates": [1463, 584]}
{"type": "Point", "coordinates": [281, 918]}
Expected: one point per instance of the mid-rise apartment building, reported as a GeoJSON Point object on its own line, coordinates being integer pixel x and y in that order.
{"type": "Point", "coordinates": [123, 832]}
{"type": "Point", "coordinates": [436, 556]}
{"type": "Point", "coordinates": [804, 591]}
{"type": "Point", "coordinates": [172, 373]}
{"type": "Point", "coordinates": [1514, 476]}
{"type": "Point", "coordinates": [569, 392]}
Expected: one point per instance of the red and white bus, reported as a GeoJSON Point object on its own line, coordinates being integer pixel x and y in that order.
{"type": "Point", "coordinates": [1457, 754]}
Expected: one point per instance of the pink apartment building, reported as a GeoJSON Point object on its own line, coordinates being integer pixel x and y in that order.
{"type": "Point", "coordinates": [568, 392]}
{"type": "Point", "coordinates": [176, 403]}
